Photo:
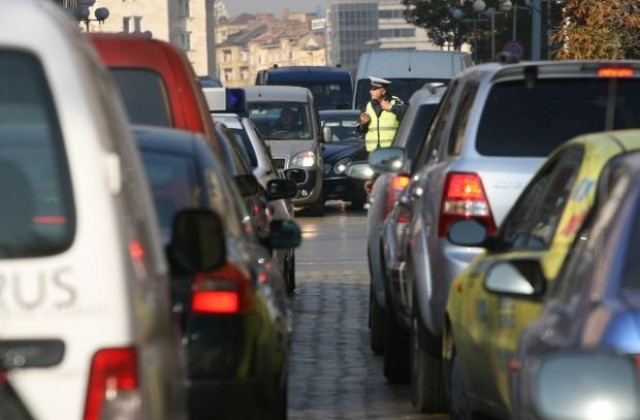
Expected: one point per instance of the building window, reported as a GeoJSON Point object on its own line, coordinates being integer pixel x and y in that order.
{"type": "Point", "coordinates": [184, 8]}
{"type": "Point", "coordinates": [137, 24]}
{"type": "Point", "coordinates": [125, 24]}
{"type": "Point", "coordinates": [244, 56]}
{"type": "Point", "coordinates": [244, 73]}
{"type": "Point", "coordinates": [227, 75]}
{"type": "Point", "coordinates": [226, 55]}
{"type": "Point", "coordinates": [185, 41]}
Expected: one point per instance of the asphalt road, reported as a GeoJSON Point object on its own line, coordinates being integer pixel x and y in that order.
{"type": "Point", "coordinates": [333, 373]}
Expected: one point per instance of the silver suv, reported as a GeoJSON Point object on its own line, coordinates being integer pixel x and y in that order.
{"type": "Point", "coordinates": [493, 129]}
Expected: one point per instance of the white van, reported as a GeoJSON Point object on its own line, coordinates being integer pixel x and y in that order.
{"type": "Point", "coordinates": [408, 70]}
{"type": "Point", "coordinates": [86, 330]}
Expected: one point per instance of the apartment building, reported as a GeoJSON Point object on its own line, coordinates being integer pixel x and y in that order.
{"type": "Point", "coordinates": [356, 26]}
{"type": "Point", "coordinates": [249, 43]}
{"type": "Point", "coordinates": [181, 22]}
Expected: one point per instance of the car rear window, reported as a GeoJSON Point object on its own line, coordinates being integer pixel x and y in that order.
{"type": "Point", "coordinates": [173, 184]}
{"type": "Point", "coordinates": [37, 215]}
{"type": "Point", "coordinates": [144, 95]}
{"type": "Point", "coordinates": [521, 121]}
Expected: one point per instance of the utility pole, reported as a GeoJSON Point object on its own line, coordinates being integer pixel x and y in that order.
{"type": "Point", "coordinates": [536, 28]}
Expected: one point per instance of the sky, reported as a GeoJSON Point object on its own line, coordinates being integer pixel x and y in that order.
{"type": "Point", "coordinates": [235, 7]}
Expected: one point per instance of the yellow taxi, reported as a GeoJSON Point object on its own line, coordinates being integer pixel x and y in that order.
{"type": "Point", "coordinates": [482, 327]}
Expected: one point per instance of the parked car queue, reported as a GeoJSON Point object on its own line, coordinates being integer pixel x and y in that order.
{"type": "Point", "coordinates": [483, 146]}
{"type": "Point", "coordinates": [135, 232]}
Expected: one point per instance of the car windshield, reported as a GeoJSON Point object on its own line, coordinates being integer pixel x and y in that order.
{"type": "Point", "coordinates": [173, 183]}
{"type": "Point", "coordinates": [518, 121]}
{"type": "Point", "coordinates": [281, 120]}
{"type": "Point", "coordinates": [343, 127]}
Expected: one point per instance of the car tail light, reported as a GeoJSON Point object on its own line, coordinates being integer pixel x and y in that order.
{"type": "Point", "coordinates": [226, 291]}
{"type": "Point", "coordinates": [394, 188]}
{"type": "Point", "coordinates": [49, 220]}
{"type": "Point", "coordinates": [113, 385]}
{"type": "Point", "coordinates": [464, 198]}
{"type": "Point", "coordinates": [616, 72]}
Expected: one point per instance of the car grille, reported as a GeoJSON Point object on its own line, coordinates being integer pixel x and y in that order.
{"type": "Point", "coordinates": [280, 163]}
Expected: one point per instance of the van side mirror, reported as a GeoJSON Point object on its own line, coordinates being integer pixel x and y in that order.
{"type": "Point", "coordinates": [197, 241]}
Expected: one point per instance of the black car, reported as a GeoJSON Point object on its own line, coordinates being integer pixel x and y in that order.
{"type": "Point", "coordinates": [235, 320]}
{"type": "Point", "coordinates": [346, 146]}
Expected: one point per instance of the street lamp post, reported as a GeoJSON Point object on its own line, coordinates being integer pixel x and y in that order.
{"type": "Point", "coordinates": [478, 7]}
{"type": "Point", "coordinates": [515, 17]}
{"type": "Point", "coordinates": [81, 13]}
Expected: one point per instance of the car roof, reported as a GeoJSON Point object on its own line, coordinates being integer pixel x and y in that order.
{"type": "Point", "coordinates": [269, 93]}
{"type": "Point", "coordinates": [495, 71]}
{"type": "Point", "coordinates": [123, 45]}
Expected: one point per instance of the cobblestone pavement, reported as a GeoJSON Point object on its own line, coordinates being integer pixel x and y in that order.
{"type": "Point", "coordinates": [333, 373]}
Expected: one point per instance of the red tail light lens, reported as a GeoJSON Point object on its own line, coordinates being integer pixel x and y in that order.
{"type": "Point", "coordinates": [395, 186]}
{"type": "Point", "coordinates": [226, 291]}
{"type": "Point", "coordinates": [615, 72]}
{"type": "Point", "coordinates": [464, 198]}
{"type": "Point", "coordinates": [113, 379]}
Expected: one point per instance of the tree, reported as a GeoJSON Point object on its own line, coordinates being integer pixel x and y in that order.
{"type": "Point", "coordinates": [436, 18]}
{"type": "Point", "coordinates": [597, 29]}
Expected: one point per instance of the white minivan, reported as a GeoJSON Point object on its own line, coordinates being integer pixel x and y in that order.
{"type": "Point", "coordinates": [86, 329]}
{"type": "Point", "coordinates": [407, 70]}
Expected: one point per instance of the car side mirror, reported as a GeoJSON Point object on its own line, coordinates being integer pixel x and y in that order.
{"type": "Point", "coordinates": [198, 241]}
{"type": "Point", "coordinates": [519, 278]}
{"type": "Point", "coordinates": [581, 384]}
{"type": "Point", "coordinates": [327, 134]}
{"type": "Point", "coordinates": [281, 188]}
{"type": "Point", "coordinates": [360, 170]}
{"type": "Point", "coordinates": [388, 160]}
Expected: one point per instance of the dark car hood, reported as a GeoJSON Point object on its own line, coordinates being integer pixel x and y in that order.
{"type": "Point", "coordinates": [337, 150]}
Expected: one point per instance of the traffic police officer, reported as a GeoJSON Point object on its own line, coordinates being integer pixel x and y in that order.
{"type": "Point", "coordinates": [380, 116]}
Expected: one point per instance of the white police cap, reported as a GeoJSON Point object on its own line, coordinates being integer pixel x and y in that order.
{"type": "Point", "coordinates": [379, 82]}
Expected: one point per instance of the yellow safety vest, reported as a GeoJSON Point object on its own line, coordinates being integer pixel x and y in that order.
{"type": "Point", "coordinates": [380, 131]}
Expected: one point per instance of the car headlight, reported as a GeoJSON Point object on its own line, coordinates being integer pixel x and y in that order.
{"type": "Point", "coordinates": [304, 159]}
{"type": "Point", "coordinates": [341, 166]}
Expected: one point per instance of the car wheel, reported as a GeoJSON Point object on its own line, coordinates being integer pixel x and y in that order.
{"type": "Point", "coordinates": [396, 350]}
{"type": "Point", "coordinates": [281, 398]}
{"type": "Point", "coordinates": [376, 323]}
{"type": "Point", "coordinates": [428, 393]}
{"type": "Point", "coordinates": [291, 274]}
{"type": "Point", "coordinates": [358, 204]}
{"type": "Point", "coordinates": [317, 209]}
{"type": "Point", "coordinates": [460, 408]}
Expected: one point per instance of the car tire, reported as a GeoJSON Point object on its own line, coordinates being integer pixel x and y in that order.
{"type": "Point", "coordinates": [376, 323]}
{"type": "Point", "coordinates": [291, 274]}
{"type": "Point", "coordinates": [428, 392]}
{"type": "Point", "coordinates": [358, 204]}
{"type": "Point", "coordinates": [281, 398]}
{"type": "Point", "coordinates": [460, 408]}
{"type": "Point", "coordinates": [395, 362]}
{"type": "Point", "coordinates": [316, 209]}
